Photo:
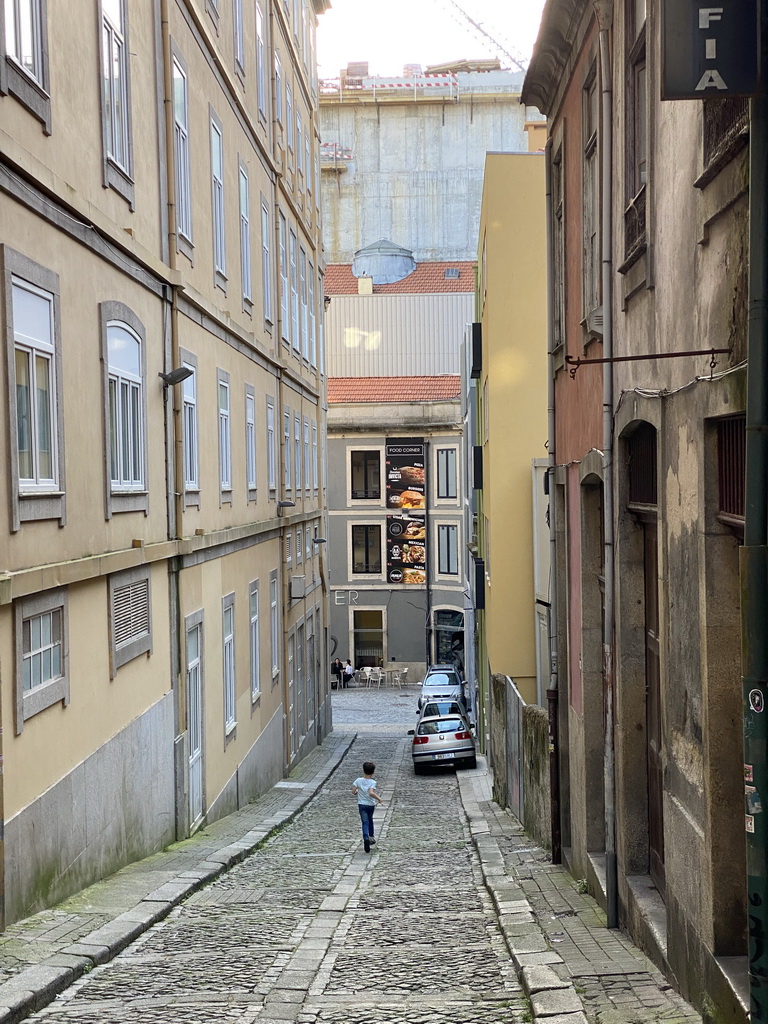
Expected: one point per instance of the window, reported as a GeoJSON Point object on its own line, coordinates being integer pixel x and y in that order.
{"type": "Point", "coordinates": [299, 544]}
{"type": "Point", "coordinates": [25, 74]}
{"type": "Point", "coordinates": [261, 71]}
{"type": "Point", "coordinates": [315, 468]}
{"type": "Point", "coordinates": [296, 18]}
{"type": "Point", "coordinates": [287, 449]}
{"type": "Point", "coordinates": [366, 474]}
{"type": "Point", "coordinates": [312, 331]}
{"type": "Point", "coordinates": [189, 417]}
{"type": "Point", "coordinates": [299, 145]}
{"type": "Point", "coordinates": [446, 473]}
{"type": "Point", "coordinates": [274, 639]}
{"type": "Point", "coordinates": [308, 541]}
{"type": "Point", "coordinates": [228, 655]}
{"type": "Point", "coordinates": [237, 16]}
{"type": "Point", "coordinates": [278, 90]}
{"type": "Point", "coordinates": [271, 453]}
{"type": "Point", "coordinates": [250, 440]}
{"type": "Point", "coordinates": [245, 238]}
{"type": "Point", "coordinates": [297, 450]}
{"type": "Point", "coordinates": [217, 199]}
{"type": "Point", "coordinates": [266, 261]}
{"type": "Point", "coordinates": [253, 611]}
{"type": "Point", "coordinates": [289, 116]}
{"type": "Point", "coordinates": [35, 370]}
{"type": "Point", "coordinates": [285, 329]}
{"type": "Point", "coordinates": [731, 471]}
{"type": "Point", "coordinates": [126, 405]}
{"type": "Point", "coordinates": [130, 616]}
{"type": "Point", "coordinates": [294, 294]}
{"type": "Point", "coordinates": [181, 155]}
{"type": "Point", "coordinates": [307, 465]}
{"type": "Point", "coordinates": [308, 161]}
{"type": "Point", "coordinates": [42, 662]}
{"type": "Point", "coordinates": [225, 435]}
{"type": "Point", "coordinates": [366, 549]}
{"type": "Point", "coordinates": [115, 97]}
{"type": "Point", "coordinates": [447, 549]}
{"type": "Point", "coordinates": [303, 297]}
{"type": "Point", "coordinates": [288, 547]}
{"type": "Point", "coordinates": [636, 137]}
{"type": "Point", "coordinates": [591, 271]}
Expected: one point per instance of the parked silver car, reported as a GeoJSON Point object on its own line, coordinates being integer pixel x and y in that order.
{"type": "Point", "coordinates": [442, 682]}
{"type": "Point", "coordinates": [443, 739]}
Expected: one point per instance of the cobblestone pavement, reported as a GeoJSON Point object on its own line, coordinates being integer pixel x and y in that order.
{"type": "Point", "coordinates": [275, 914]}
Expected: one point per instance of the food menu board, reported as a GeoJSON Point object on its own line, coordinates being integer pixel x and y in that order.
{"type": "Point", "coordinates": [406, 474]}
{"type": "Point", "coordinates": [406, 550]}
{"type": "Point", "coordinates": [406, 490]}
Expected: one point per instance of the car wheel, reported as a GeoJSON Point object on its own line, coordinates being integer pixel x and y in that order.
{"type": "Point", "coordinates": [471, 762]}
{"type": "Point", "coordinates": [418, 769]}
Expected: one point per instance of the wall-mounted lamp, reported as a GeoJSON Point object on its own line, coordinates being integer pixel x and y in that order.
{"type": "Point", "coordinates": [319, 540]}
{"type": "Point", "coordinates": [176, 376]}
{"type": "Point", "coordinates": [285, 504]}
{"type": "Point", "coordinates": [326, 302]}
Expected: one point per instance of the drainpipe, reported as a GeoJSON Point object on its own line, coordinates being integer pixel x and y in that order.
{"type": "Point", "coordinates": [604, 15]}
{"type": "Point", "coordinates": [552, 696]}
{"type": "Point", "coordinates": [427, 559]}
{"type": "Point", "coordinates": [754, 553]}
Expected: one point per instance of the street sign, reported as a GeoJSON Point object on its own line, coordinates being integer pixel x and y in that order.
{"type": "Point", "coordinates": [709, 51]}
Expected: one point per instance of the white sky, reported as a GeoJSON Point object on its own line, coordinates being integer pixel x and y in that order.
{"type": "Point", "coordinates": [391, 33]}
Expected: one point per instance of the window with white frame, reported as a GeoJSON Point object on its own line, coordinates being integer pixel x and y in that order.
{"type": "Point", "coordinates": [266, 260]}
{"type": "Point", "coordinates": [303, 298]}
{"type": "Point", "coordinates": [278, 90]}
{"type": "Point", "coordinates": [307, 464]}
{"type": "Point", "coordinates": [130, 616]}
{"type": "Point", "coordinates": [287, 449]}
{"type": "Point", "coordinates": [295, 338]}
{"type": "Point", "coordinates": [24, 34]}
{"type": "Point", "coordinates": [296, 18]}
{"type": "Point", "coordinates": [366, 548]}
{"type": "Point", "coordinates": [42, 657]}
{"type": "Point", "coordinates": [289, 116]}
{"type": "Point", "coordinates": [285, 327]}
{"type": "Point", "coordinates": [253, 611]}
{"type": "Point", "coordinates": [365, 474]}
{"type": "Point", "coordinates": [315, 468]}
{"type": "Point", "coordinates": [245, 237]}
{"type": "Point", "coordinates": [304, 34]}
{"type": "Point", "coordinates": [189, 419]}
{"type": "Point", "coordinates": [446, 473]}
{"type": "Point", "coordinates": [447, 549]}
{"type": "Point", "coordinates": [299, 145]}
{"type": "Point", "coordinates": [181, 151]}
{"type": "Point", "coordinates": [288, 547]}
{"type": "Point", "coordinates": [217, 199]}
{"type": "Point", "coordinates": [312, 325]}
{"type": "Point", "coordinates": [261, 70]}
{"type": "Point", "coordinates": [321, 330]}
{"type": "Point", "coordinates": [228, 657]}
{"type": "Point", "coordinates": [225, 432]}
{"type": "Point", "coordinates": [35, 386]}
{"type": "Point", "coordinates": [308, 161]}
{"type": "Point", "coordinates": [237, 17]}
{"type": "Point", "coordinates": [317, 182]}
{"type": "Point", "coordinates": [308, 543]}
{"type": "Point", "coordinates": [271, 452]}
{"type": "Point", "coordinates": [250, 440]}
{"type": "Point", "coordinates": [274, 625]}
{"type": "Point", "coordinates": [126, 408]}
{"type": "Point", "coordinates": [299, 544]}
{"type": "Point", "coordinates": [116, 93]}
{"type": "Point", "coordinates": [297, 450]}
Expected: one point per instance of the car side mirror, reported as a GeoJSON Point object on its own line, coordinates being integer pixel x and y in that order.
{"type": "Point", "coordinates": [411, 732]}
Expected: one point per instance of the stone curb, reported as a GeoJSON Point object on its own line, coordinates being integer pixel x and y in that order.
{"type": "Point", "coordinates": [38, 985]}
{"type": "Point", "coordinates": [553, 999]}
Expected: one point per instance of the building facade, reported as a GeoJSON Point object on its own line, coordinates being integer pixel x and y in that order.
{"type": "Point", "coordinates": [648, 255]}
{"type": "Point", "coordinates": [162, 315]}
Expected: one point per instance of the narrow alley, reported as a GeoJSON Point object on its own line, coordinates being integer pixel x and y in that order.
{"type": "Point", "coordinates": [430, 926]}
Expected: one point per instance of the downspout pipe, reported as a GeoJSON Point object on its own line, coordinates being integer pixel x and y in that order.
{"type": "Point", "coordinates": [754, 552]}
{"type": "Point", "coordinates": [604, 16]}
{"type": "Point", "coordinates": [552, 690]}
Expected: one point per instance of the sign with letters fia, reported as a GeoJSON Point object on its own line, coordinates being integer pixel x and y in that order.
{"type": "Point", "coordinates": [709, 50]}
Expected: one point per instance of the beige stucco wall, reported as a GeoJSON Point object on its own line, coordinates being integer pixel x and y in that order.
{"type": "Point", "coordinates": [513, 311]}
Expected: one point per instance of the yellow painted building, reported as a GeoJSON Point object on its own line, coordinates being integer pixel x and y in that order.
{"type": "Point", "coordinates": [511, 424]}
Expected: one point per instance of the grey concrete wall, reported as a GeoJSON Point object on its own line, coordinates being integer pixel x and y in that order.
{"type": "Point", "coordinates": [115, 807]}
{"type": "Point", "coordinates": [537, 798]}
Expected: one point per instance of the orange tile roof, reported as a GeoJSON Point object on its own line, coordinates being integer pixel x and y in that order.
{"type": "Point", "coordinates": [427, 278]}
{"type": "Point", "coordinates": [394, 389]}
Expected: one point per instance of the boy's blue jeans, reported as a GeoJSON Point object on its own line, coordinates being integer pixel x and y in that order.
{"type": "Point", "coordinates": [366, 816]}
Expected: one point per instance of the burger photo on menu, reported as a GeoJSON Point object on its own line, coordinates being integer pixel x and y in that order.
{"type": "Point", "coordinates": [408, 499]}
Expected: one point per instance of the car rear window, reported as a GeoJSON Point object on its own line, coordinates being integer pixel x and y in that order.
{"type": "Point", "coordinates": [443, 708]}
{"type": "Point", "coordinates": [439, 725]}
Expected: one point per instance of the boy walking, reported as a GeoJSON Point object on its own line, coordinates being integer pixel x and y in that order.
{"type": "Point", "coordinates": [367, 798]}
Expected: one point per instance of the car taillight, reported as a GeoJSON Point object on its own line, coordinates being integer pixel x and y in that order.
{"type": "Point", "coordinates": [463, 735]}
{"type": "Point", "coordinates": [420, 739]}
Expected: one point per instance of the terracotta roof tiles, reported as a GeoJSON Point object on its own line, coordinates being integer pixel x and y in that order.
{"type": "Point", "coordinates": [427, 278]}
{"type": "Point", "coordinates": [394, 389]}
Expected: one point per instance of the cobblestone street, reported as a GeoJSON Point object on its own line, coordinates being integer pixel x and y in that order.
{"type": "Point", "coordinates": [436, 923]}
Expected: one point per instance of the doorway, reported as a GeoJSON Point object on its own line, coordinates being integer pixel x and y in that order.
{"type": "Point", "coordinates": [195, 723]}
{"type": "Point", "coordinates": [368, 638]}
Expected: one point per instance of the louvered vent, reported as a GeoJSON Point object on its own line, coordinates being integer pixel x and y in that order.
{"type": "Point", "coordinates": [130, 612]}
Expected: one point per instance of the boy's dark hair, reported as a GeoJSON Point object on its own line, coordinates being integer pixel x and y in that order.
{"type": "Point", "coordinates": [368, 767]}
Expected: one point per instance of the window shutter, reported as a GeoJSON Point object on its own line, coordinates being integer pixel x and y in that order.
{"type": "Point", "coordinates": [130, 612]}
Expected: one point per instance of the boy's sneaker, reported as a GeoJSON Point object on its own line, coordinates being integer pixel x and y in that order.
{"type": "Point", "coordinates": [366, 846]}
{"type": "Point", "coordinates": [372, 841]}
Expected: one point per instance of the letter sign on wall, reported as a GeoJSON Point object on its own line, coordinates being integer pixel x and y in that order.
{"type": "Point", "coordinates": [709, 49]}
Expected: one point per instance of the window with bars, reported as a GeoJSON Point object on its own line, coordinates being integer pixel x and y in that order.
{"type": "Point", "coordinates": [130, 610]}
{"type": "Point", "coordinates": [731, 471]}
{"type": "Point", "coordinates": [642, 466]}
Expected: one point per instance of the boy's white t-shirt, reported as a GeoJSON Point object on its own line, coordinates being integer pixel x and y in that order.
{"type": "Point", "coordinates": [363, 787]}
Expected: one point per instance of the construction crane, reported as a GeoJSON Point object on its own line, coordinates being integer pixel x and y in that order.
{"type": "Point", "coordinates": [517, 60]}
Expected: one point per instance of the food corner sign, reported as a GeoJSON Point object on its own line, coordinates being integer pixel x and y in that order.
{"type": "Point", "coordinates": [709, 50]}
{"type": "Point", "coordinates": [406, 490]}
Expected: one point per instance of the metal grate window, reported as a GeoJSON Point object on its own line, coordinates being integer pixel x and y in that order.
{"type": "Point", "coordinates": [642, 466]}
{"type": "Point", "coordinates": [731, 464]}
{"type": "Point", "coordinates": [130, 610]}
{"type": "Point", "coordinates": [726, 124]}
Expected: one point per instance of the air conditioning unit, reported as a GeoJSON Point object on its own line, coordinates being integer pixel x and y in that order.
{"type": "Point", "coordinates": [298, 585]}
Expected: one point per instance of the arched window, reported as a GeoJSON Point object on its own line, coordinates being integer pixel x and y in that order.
{"type": "Point", "coordinates": [126, 442]}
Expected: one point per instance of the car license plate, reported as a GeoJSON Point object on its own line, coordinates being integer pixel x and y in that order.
{"type": "Point", "coordinates": [441, 757]}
